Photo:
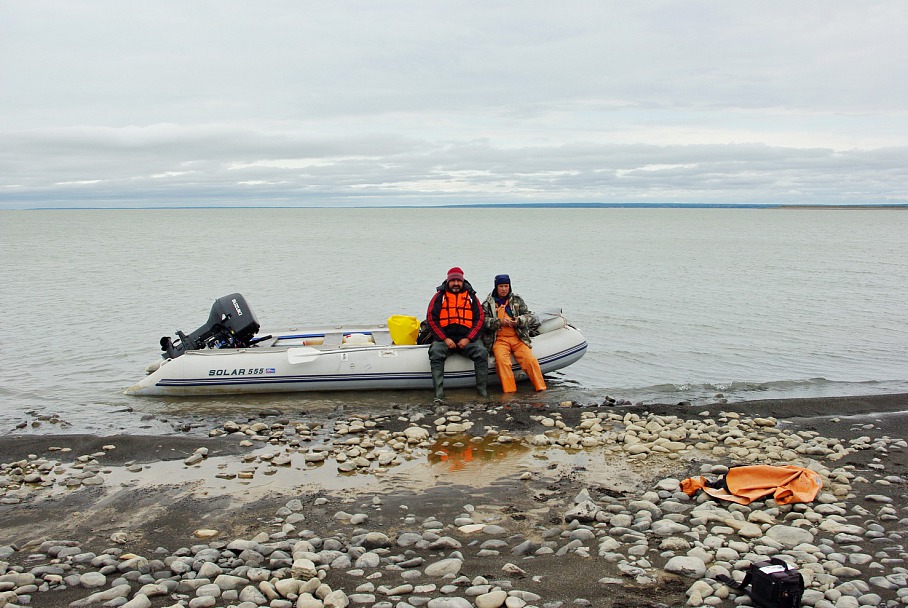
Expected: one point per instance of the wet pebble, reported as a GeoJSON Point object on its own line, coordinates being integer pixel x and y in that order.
{"type": "Point", "coordinates": [836, 541]}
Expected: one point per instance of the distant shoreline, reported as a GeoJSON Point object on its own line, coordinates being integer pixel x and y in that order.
{"type": "Point", "coordinates": [877, 207]}
{"type": "Point", "coordinates": [838, 207]}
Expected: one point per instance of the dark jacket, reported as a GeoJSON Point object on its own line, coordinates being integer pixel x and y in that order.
{"type": "Point", "coordinates": [454, 331]}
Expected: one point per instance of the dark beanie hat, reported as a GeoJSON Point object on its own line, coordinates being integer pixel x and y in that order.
{"type": "Point", "coordinates": [502, 278]}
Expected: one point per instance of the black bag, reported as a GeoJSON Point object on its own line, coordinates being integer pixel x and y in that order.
{"type": "Point", "coordinates": [773, 584]}
{"type": "Point", "coordinates": [425, 335]}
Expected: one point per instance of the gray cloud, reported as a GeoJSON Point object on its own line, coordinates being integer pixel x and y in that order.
{"type": "Point", "coordinates": [322, 103]}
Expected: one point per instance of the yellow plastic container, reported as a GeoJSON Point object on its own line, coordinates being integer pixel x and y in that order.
{"type": "Point", "coordinates": [404, 329]}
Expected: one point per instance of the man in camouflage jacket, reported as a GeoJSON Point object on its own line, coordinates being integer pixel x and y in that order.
{"type": "Point", "coordinates": [506, 330]}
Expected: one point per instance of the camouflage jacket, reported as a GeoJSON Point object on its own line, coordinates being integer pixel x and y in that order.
{"type": "Point", "coordinates": [526, 320]}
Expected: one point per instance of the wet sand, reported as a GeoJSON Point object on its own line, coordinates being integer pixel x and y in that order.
{"type": "Point", "coordinates": [157, 501]}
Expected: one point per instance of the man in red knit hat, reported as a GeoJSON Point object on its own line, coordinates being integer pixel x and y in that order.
{"type": "Point", "coordinates": [455, 319]}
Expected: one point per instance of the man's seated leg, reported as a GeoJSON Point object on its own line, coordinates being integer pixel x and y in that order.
{"type": "Point", "coordinates": [438, 353]}
{"type": "Point", "coordinates": [530, 365]}
{"type": "Point", "coordinates": [476, 351]}
{"type": "Point", "coordinates": [502, 352]}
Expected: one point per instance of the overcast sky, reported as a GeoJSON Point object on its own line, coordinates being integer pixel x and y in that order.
{"type": "Point", "coordinates": [174, 103]}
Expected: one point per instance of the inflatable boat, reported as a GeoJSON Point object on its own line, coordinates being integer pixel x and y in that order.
{"type": "Point", "coordinates": [226, 356]}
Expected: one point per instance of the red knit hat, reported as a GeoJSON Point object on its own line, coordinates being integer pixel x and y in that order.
{"type": "Point", "coordinates": [455, 273]}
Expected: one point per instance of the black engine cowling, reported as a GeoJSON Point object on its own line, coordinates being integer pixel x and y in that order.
{"type": "Point", "coordinates": [231, 324]}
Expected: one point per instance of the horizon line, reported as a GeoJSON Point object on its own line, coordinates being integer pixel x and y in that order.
{"type": "Point", "coordinates": [487, 206]}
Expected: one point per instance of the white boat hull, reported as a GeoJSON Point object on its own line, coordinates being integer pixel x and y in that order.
{"type": "Point", "coordinates": [288, 363]}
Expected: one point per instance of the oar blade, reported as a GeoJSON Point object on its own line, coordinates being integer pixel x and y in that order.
{"type": "Point", "coordinates": [302, 354]}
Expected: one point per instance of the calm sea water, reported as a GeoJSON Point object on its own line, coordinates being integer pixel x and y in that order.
{"type": "Point", "coordinates": [676, 304]}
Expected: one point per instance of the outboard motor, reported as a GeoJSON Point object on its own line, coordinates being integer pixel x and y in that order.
{"type": "Point", "coordinates": [231, 324]}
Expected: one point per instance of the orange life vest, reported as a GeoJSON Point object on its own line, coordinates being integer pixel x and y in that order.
{"type": "Point", "coordinates": [456, 310]}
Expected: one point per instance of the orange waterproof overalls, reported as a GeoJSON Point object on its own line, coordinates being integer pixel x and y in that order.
{"type": "Point", "coordinates": [507, 342]}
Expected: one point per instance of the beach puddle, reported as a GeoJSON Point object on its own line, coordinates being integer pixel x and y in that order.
{"type": "Point", "coordinates": [245, 478]}
{"type": "Point", "coordinates": [266, 471]}
{"type": "Point", "coordinates": [483, 461]}
{"type": "Point", "coordinates": [464, 453]}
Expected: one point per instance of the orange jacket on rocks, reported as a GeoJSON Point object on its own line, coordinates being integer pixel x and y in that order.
{"type": "Point", "coordinates": [743, 485]}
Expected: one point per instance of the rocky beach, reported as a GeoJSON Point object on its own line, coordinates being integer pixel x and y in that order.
{"type": "Point", "coordinates": [466, 505]}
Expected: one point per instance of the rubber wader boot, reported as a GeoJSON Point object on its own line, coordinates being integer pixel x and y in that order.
{"type": "Point", "coordinates": [438, 381]}
{"type": "Point", "coordinates": [482, 379]}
